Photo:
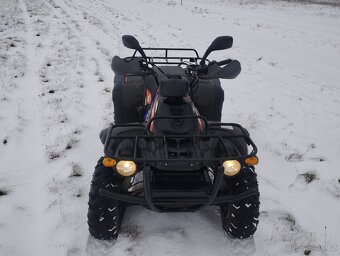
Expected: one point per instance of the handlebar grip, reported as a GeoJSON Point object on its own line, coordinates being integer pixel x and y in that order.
{"type": "Point", "coordinates": [224, 62]}
{"type": "Point", "coordinates": [220, 63]}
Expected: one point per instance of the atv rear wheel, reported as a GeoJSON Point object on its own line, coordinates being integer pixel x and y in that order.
{"type": "Point", "coordinates": [104, 215]}
{"type": "Point", "coordinates": [240, 218]}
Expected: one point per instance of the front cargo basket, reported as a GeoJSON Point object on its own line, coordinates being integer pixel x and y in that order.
{"type": "Point", "coordinates": [220, 142]}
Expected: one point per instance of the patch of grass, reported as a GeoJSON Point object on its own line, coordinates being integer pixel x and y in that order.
{"type": "Point", "coordinates": [321, 159]}
{"type": "Point", "coordinates": [54, 155]}
{"type": "Point", "coordinates": [76, 171]}
{"type": "Point", "coordinates": [290, 219]}
{"type": "Point", "coordinates": [294, 157]}
{"type": "Point", "coordinates": [309, 177]}
{"type": "Point", "coordinates": [71, 143]}
{"type": "Point", "coordinates": [3, 192]}
{"type": "Point", "coordinates": [307, 252]}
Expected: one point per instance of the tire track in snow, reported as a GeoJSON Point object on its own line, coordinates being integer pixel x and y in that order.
{"type": "Point", "coordinates": [27, 157]}
{"type": "Point", "coordinates": [64, 189]}
{"type": "Point", "coordinates": [47, 176]}
{"type": "Point", "coordinates": [99, 59]}
{"type": "Point", "coordinates": [87, 29]}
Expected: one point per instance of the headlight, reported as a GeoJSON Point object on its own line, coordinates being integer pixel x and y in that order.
{"type": "Point", "coordinates": [126, 168]}
{"type": "Point", "coordinates": [231, 167]}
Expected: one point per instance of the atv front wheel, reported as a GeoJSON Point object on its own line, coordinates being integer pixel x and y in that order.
{"type": "Point", "coordinates": [240, 218]}
{"type": "Point", "coordinates": [104, 215]}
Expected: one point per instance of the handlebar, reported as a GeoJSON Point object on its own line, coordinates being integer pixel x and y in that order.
{"type": "Point", "coordinates": [225, 69]}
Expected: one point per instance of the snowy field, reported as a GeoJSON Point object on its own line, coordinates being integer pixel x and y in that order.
{"type": "Point", "coordinates": [55, 97]}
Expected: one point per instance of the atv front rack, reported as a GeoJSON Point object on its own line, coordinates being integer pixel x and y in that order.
{"type": "Point", "coordinates": [192, 57]}
{"type": "Point", "coordinates": [160, 163]}
{"type": "Point", "coordinates": [198, 145]}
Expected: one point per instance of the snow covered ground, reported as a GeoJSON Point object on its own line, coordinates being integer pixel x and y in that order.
{"type": "Point", "coordinates": [55, 97]}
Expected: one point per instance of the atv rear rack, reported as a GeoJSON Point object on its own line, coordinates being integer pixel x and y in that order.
{"type": "Point", "coordinates": [198, 145]}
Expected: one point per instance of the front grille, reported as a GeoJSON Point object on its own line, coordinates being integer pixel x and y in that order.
{"type": "Point", "coordinates": [177, 180]}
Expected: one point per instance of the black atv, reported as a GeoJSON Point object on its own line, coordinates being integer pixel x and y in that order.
{"type": "Point", "coordinates": [170, 157]}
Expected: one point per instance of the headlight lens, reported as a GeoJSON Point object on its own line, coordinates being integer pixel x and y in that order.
{"type": "Point", "coordinates": [231, 167]}
{"type": "Point", "coordinates": [126, 168]}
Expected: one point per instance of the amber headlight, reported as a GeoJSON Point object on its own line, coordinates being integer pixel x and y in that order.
{"type": "Point", "coordinates": [109, 162]}
{"type": "Point", "coordinates": [126, 168]}
{"type": "Point", "coordinates": [252, 160]}
{"type": "Point", "coordinates": [231, 167]}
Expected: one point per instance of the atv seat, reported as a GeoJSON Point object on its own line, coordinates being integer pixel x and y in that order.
{"type": "Point", "coordinates": [174, 87]}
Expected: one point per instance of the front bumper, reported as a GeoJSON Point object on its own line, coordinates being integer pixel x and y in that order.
{"type": "Point", "coordinates": [172, 201]}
